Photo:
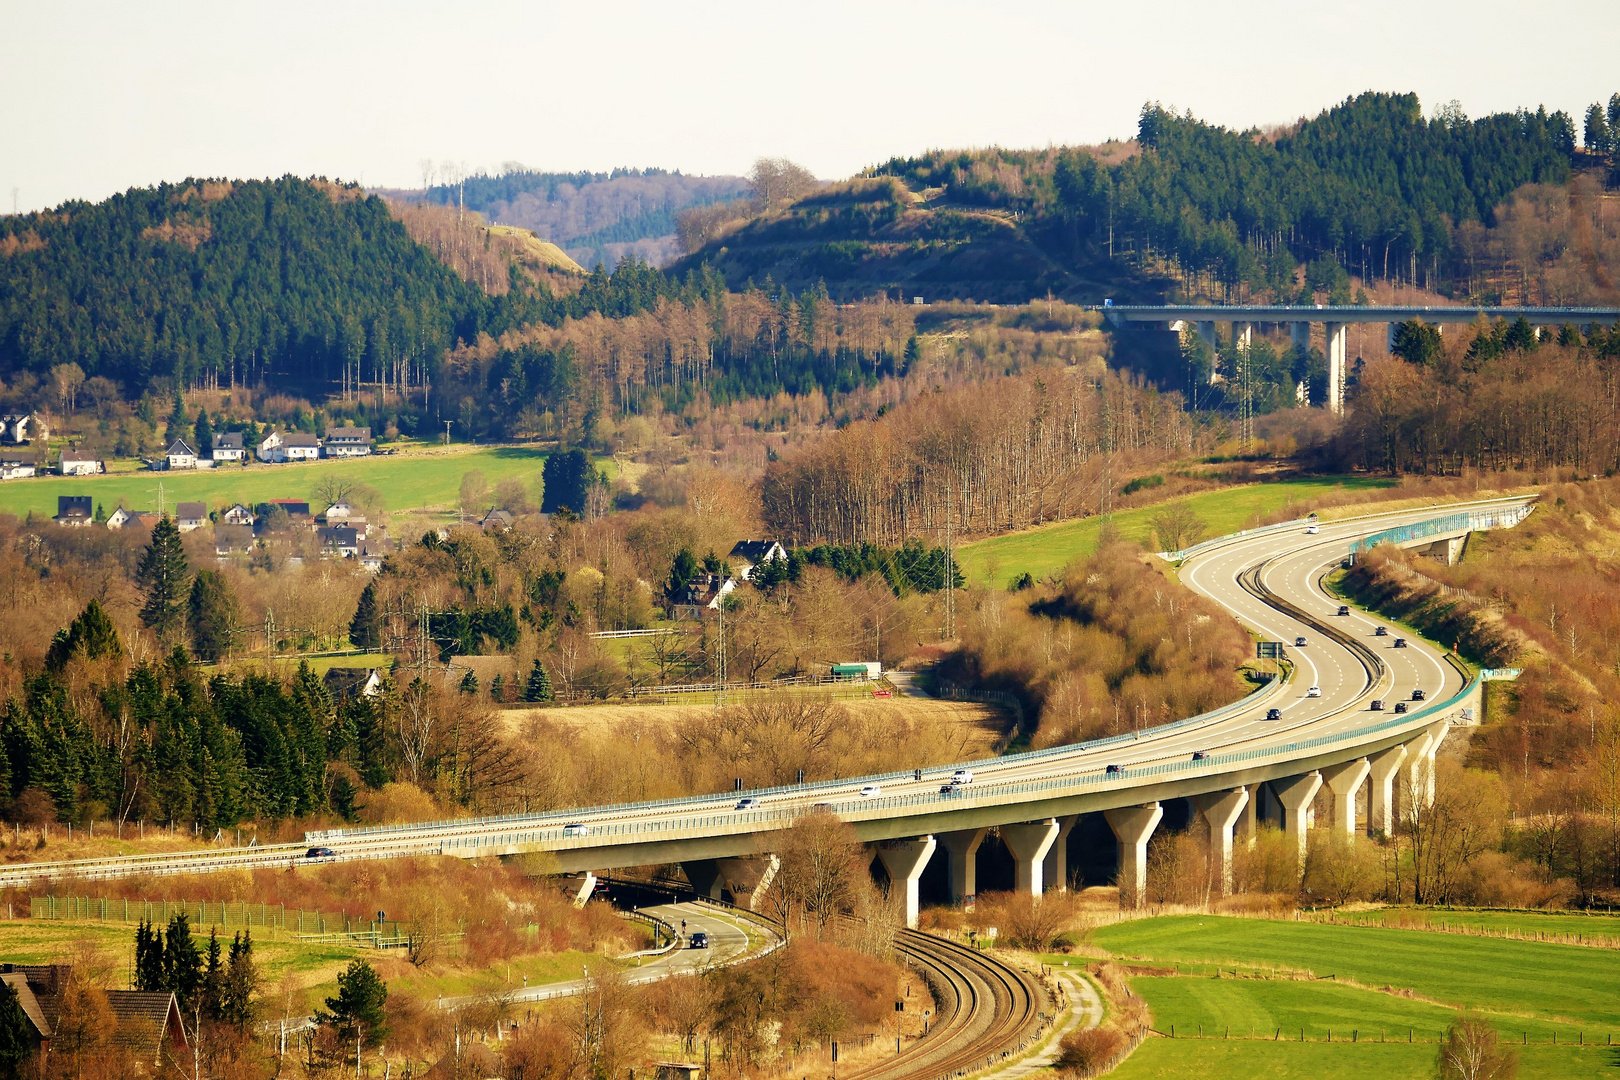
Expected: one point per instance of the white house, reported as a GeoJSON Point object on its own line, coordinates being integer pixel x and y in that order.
{"type": "Point", "coordinates": [228, 447]}
{"type": "Point", "coordinates": [73, 464]}
{"type": "Point", "coordinates": [181, 455]}
{"type": "Point", "coordinates": [747, 554]}
{"type": "Point", "coordinates": [237, 515]}
{"type": "Point", "coordinates": [123, 518]}
{"type": "Point", "coordinates": [15, 428]}
{"type": "Point", "coordinates": [74, 511]}
{"type": "Point", "coordinates": [191, 515]}
{"type": "Point", "coordinates": [16, 470]}
{"type": "Point", "coordinates": [283, 446]}
{"type": "Point", "coordinates": [348, 442]}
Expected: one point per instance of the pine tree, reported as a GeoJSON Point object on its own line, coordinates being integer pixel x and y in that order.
{"type": "Point", "coordinates": [212, 990]}
{"type": "Point", "coordinates": [539, 685]}
{"type": "Point", "coordinates": [365, 629]}
{"type": "Point", "coordinates": [182, 965]}
{"type": "Point", "coordinates": [241, 982]}
{"type": "Point", "coordinates": [149, 974]}
{"type": "Point", "coordinates": [178, 420]}
{"type": "Point", "coordinates": [359, 1004]}
{"type": "Point", "coordinates": [211, 615]}
{"type": "Point", "coordinates": [162, 574]}
{"type": "Point", "coordinates": [469, 682]}
{"type": "Point", "coordinates": [497, 688]}
{"type": "Point", "coordinates": [92, 635]}
{"type": "Point", "coordinates": [203, 432]}
{"type": "Point", "coordinates": [16, 1047]}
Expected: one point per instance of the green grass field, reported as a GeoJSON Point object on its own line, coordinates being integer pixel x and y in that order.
{"type": "Point", "coordinates": [1049, 548]}
{"type": "Point", "coordinates": [1567, 984]}
{"type": "Point", "coordinates": [1195, 1059]}
{"type": "Point", "coordinates": [418, 479]}
{"type": "Point", "coordinates": [1528, 923]}
{"type": "Point", "coordinates": [1243, 1008]}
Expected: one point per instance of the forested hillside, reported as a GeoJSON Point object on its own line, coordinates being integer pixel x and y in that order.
{"type": "Point", "coordinates": [595, 217]}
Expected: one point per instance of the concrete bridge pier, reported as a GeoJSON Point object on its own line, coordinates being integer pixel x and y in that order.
{"type": "Point", "coordinates": [704, 874]}
{"type": "Point", "coordinates": [1383, 767]}
{"type": "Point", "coordinates": [1055, 871]}
{"type": "Point", "coordinates": [1206, 330]}
{"type": "Point", "coordinates": [1345, 781]}
{"type": "Point", "coordinates": [1221, 810]}
{"type": "Point", "coordinates": [1296, 794]}
{"type": "Point", "coordinates": [905, 860]}
{"type": "Point", "coordinates": [1028, 845]}
{"type": "Point", "coordinates": [1420, 768]}
{"type": "Point", "coordinates": [963, 849]}
{"type": "Point", "coordinates": [1133, 826]}
{"type": "Point", "coordinates": [1299, 335]}
{"type": "Point", "coordinates": [1338, 344]}
{"type": "Point", "coordinates": [745, 878]}
{"type": "Point", "coordinates": [1437, 735]}
{"type": "Point", "coordinates": [1242, 335]}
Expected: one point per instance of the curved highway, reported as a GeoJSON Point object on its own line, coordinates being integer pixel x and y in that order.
{"type": "Point", "coordinates": [1270, 579]}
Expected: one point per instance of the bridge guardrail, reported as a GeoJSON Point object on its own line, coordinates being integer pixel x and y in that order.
{"type": "Point", "coordinates": [1467, 521]}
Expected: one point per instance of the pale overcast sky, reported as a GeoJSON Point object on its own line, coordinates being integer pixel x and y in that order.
{"type": "Point", "coordinates": [96, 97]}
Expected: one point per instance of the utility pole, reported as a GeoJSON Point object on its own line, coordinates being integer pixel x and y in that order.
{"type": "Point", "coordinates": [720, 698]}
{"type": "Point", "coordinates": [950, 570]}
{"type": "Point", "coordinates": [447, 424]}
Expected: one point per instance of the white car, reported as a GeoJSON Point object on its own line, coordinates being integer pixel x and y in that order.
{"type": "Point", "coordinates": [962, 776]}
{"type": "Point", "coordinates": [1315, 691]}
{"type": "Point", "coordinates": [871, 791]}
{"type": "Point", "coordinates": [576, 829]}
{"type": "Point", "coordinates": [747, 802]}
{"type": "Point", "coordinates": [1312, 530]}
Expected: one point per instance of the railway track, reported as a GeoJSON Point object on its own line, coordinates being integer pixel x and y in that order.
{"type": "Point", "coordinates": [986, 1010]}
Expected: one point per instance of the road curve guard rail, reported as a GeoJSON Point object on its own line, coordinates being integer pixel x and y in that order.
{"type": "Point", "coordinates": [1468, 521]}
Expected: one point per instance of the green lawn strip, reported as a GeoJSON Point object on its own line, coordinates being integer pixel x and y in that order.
{"type": "Point", "coordinates": [1601, 929]}
{"type": "Point", "coordinates": [34, 941]}
{"type": "Point", "coordinates": [1561, 983]}
{"type": "Point", "coordinates": [539, 970]}
{"type": "Point", "coordinates": [1323, 1011]}
{"type": "Point", "coordinates": [1049, 548]}
{"type": "Point", "coordinates": [408, 481]}
{"type": "Point", "coordinates": [1200, 1059]}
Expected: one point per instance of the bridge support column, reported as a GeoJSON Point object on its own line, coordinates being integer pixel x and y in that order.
{"type": "Point", "coordinates": [704, 874]}
{"type": "Point", "coordinates": [1418, 767]}
{"type": "Point", "coordinates": [1424, 784]}
{"type": "Point", "coordinates": [1242, 335]}
{"type": "Point", "coordinates": [1296, 794]}
{"type": "Point", "coordinates": [1299, 335]}
{"type": "Point", "coordinates": [1133, 826]}
{"type": "Point", "coordinates": [1248, 826]}
{"type": "Point", "coordinates": [1337, 349]}
{"type": "Point", "coordinates": [1384, 766]}
{"type": "Point", "coordinates": [748, 878]}
{"type": "Point", "coordinates": [1206, 330]}
{"type": "Point", "coordinates": [1221, 810]}
{"type": "Point", "coordinates": [1029, 845]}
{"type": "Point", "coordinates": [1055, 872]}
{"type": "Point", "coordinates": [586, 888]}
{"type": "Point", "coordinates": [1345, 781]}
{"type": "Point", "coordinates": [905, 861]}
{"type": "Point", "coordinates": [963, 848]}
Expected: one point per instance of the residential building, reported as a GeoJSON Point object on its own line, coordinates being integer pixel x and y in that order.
{"type": "Point", "coordinates": [74, 511]}
{"type": "Point", "coordinates": [232, 539]}
{"type": "Point", "coordinates": [16, 470]}
{"type": "Point", "coordinates": [284, 446]}
{"type": "Point", "coordinates": [496, 519]}
{"type": "Point", "coordinates": [75, 464]}
{"type": "Point", "coordinates": [123, 518]}
{"type": "Point", "coordinates": [339, 540]}
{"type": "Point", "coordinates": [191, 515]}
{"type": "Point", "coordinates": [228, 447]}
{"type": "Point", "coordinates": [180, 455]}
{"type": "Point", "coordinates": [348, 442]}
{"type": "Point", "coordinates": [237, 515]}
{"type": "Point", "coordinates": [703, 595]}
{"type": "Point", "coordinates": [18, 428]}
{"type": "Point", "coordinates": [345, 682]}
{"type": "Point", "coordinates": [747, 554]}
{"type": "Point", "coordinates": [147, 1023]}
{"type": "Point", "coordinates": [373, 552]}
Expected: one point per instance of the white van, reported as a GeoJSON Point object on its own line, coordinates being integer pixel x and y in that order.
{"type": "Point", "coordinates": [962, 776]}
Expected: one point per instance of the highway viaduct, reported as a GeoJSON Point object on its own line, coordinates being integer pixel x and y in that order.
{"type": "Point", "coordinates": [1335, 320]}
{"type": "Point", "coordinates": [1264, 758]}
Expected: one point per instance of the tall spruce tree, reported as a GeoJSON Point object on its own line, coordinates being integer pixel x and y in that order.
{"type": "Point", "coordinates": [92, 635]}
{"type": "Point", "coordinates": [365, 629]}
{"type": "Point", "coordinates": [182, 963]}
{"type": "Point", "coordinates": [539, 684]}
{"type": "Point", "coordinates": [203, 434]}
{"type": "Point", "coordinates": [359, 1004]}
{"type": "Point", "coordinates": [241, 982]}
{"type": "Point", "coordinates": [163, 575]}
{"type": "Point", "coordinates": [212, 990]}
{"type": "Point", "coordinates": [15, 1045]}
{"type": "Point", "coordinates": [211, 615]}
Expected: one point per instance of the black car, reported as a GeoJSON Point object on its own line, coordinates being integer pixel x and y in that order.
{"type": "Point", "coordinates": [1344, 609]}
{"type": "Point", "coordinates": [699, 940]}
{"type": "Point", "coordinates": [1400, 706]}
{"type": "Point", "coordinates": [1382, 631]}
{"type": "Point", "coordinates": [1417, 695]}
{"type": "Point", "coordinates": [947, 789]}
{"type": "Point", "coordinates": [1273, 714]}
{"type": "Point", "coordinates": [1200, 755]}
{"type": "Point", "coordinates": [1300, 641]}
{"type": "Point", "coordinates": [1378, 705]}
{"type": "Point", "coordinates": [1115, 768]}
{"type": "Point", "coordinates": [1400, 643]}
{"type": "Point", "coordinates": [320, 853]}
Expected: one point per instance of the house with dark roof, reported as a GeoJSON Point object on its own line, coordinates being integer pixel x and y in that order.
{"type": "Point", "coordinates": [339, 540]}
{"type": "Point", "coordinates": [348, 442]}
{"type": "Point", "coordinates": [74, 511]}
{"type": "Point", "coordinates": [18, 428]}
{"type": "Point", "coordinates": [237, 515]}
{"type": "Point", "coordinates": [346, 682]}
{"type": "Point", "coordinates": [148, 1023]}
{"type": "Point", "coordinates": [180, 455]}
{"type": "Point", "coordinates": [232, 539]}
{"type": "Point", "coordinates": [76, 463]}
{"type": "Point", "coordinates": [283, 446]}
{"type": "Point", "coordinates": [496, 519]}
{"type": "Point", "coordinates": [190, 515]}
{"type": "Point", "coordinates": [16, 469]}
{"type": "Point", "coordinates": [747, 554]}
{"type": "Point", "coordinates": [703, 595]}
{"type": "Point", "coordinates": [228, 447]}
